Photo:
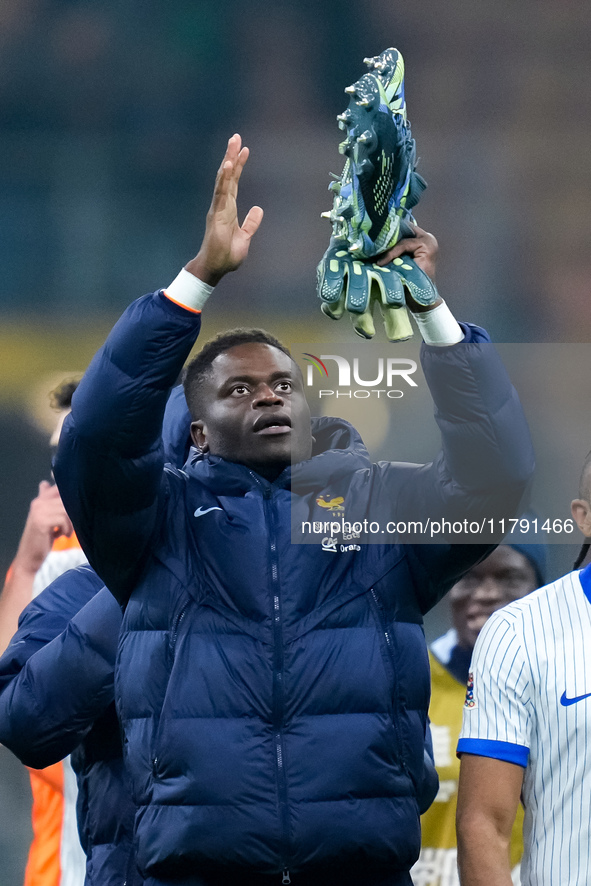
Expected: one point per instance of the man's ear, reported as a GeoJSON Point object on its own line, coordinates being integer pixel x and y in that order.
{"type": "Point", "coordinates": [581, 511]}
{"type": "Point", "coordinates": [199, 436]}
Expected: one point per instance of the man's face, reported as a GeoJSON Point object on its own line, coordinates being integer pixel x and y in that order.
{"type": "Point", "coordinates": [504, 576]}
{"type": "Point", "coordinates": [255, 411]}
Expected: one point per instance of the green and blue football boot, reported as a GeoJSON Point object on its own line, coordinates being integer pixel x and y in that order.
{"type": "Point", "coordinates": [373, 199]}
{"type": "Point", "coordinates": [379, 186]}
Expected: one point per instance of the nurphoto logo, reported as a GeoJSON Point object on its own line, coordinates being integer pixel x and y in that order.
{"type": "Point", "coordinates": [390, 377]}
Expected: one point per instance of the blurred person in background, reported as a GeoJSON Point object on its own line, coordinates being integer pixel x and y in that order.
{"type": "Point", "coordinates": [509, 573]}
{"type": "Point", "coordinates": [48, 530]}
{"type": "Point", "coordinates": [48, 547]}
{"type": "Point", "coordinates": [57, 698]}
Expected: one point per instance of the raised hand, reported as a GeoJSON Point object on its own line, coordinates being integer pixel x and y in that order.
{"type": "Point", "coordinates": [422, 247]}
{"type": "Point", "coordinates": [415, 258]}
{"type": "Point", "coordinates": [47, 520]}
{"type": "Point", "coordinates": [226, 243]}
{"type": "Point", "coordinates": [347, 284]}
{"type": "Point", "coordinates": [404, 275]}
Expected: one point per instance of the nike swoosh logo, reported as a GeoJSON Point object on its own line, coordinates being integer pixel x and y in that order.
{"type": "Point", "coordinates": [565, 702]}
{"type": "Point", "coordinates": [201, 511]}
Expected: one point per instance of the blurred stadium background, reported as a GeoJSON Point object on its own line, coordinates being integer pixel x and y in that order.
{"type": "Point", "coordinates": [114, 116]}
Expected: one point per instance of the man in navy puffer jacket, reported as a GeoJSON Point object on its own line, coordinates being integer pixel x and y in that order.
{"type": "Point", "coordinates": [57, 697]}
{"type": "Point", "coordinates": [273, 696]}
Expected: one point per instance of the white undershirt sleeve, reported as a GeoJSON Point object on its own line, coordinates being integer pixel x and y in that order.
{"type": "Point", "coordinates": [188, 291]}
{"type": "Point", "coordinates": [439, 327]}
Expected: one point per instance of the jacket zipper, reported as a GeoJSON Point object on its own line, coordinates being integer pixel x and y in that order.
{"type": "Point", "coordinates": [390, 647]}
{"type": "Point", "coordinates": [176, 627]}
{"type": "Point", "coordinates": [171, 646]}
{"type": "Point", "coordinates": [278, 690]}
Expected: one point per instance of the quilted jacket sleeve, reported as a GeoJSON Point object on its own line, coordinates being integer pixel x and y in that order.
{"type": "Point", "coordinates": [481, 475]}
{"type": "Point", "coordinates": [109, 466]}
{"type": "Point", "coordinates": [486, 444]}
{"type": "Point", "coordinates": [56, 676]}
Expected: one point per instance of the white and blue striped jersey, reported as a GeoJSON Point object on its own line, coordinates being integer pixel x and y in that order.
{"type": "Point", "coordinates": [529, 702]}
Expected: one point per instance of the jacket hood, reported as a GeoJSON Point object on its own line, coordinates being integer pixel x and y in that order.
{"type": "Point", "coordinates": [176, 428]}
{"type": "Point", "coordinates": [338, 451]}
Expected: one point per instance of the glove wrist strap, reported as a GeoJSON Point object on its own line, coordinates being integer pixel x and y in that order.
{"type": "Point", "coordinates": [439, 327]}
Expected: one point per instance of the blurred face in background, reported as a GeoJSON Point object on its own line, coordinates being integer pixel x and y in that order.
{"type": "Point", "coordinates": [506, 575]}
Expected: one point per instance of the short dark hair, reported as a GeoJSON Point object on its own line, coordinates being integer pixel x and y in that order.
{"type": "Point", "coordinates": [201, 365]}
{"type": "Point", "coordinates": [61, 397]}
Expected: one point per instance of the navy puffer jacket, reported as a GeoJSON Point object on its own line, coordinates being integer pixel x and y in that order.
{"type": "Point", "coordinates": [57, 698]}
{"type": "Point", "coordinates": [273, 696]}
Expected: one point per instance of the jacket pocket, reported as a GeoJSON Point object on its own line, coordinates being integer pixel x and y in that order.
{"type": "Point", "coordinates": [170, 658]}
{"type": "Point", "coordinates": [387, 644]}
